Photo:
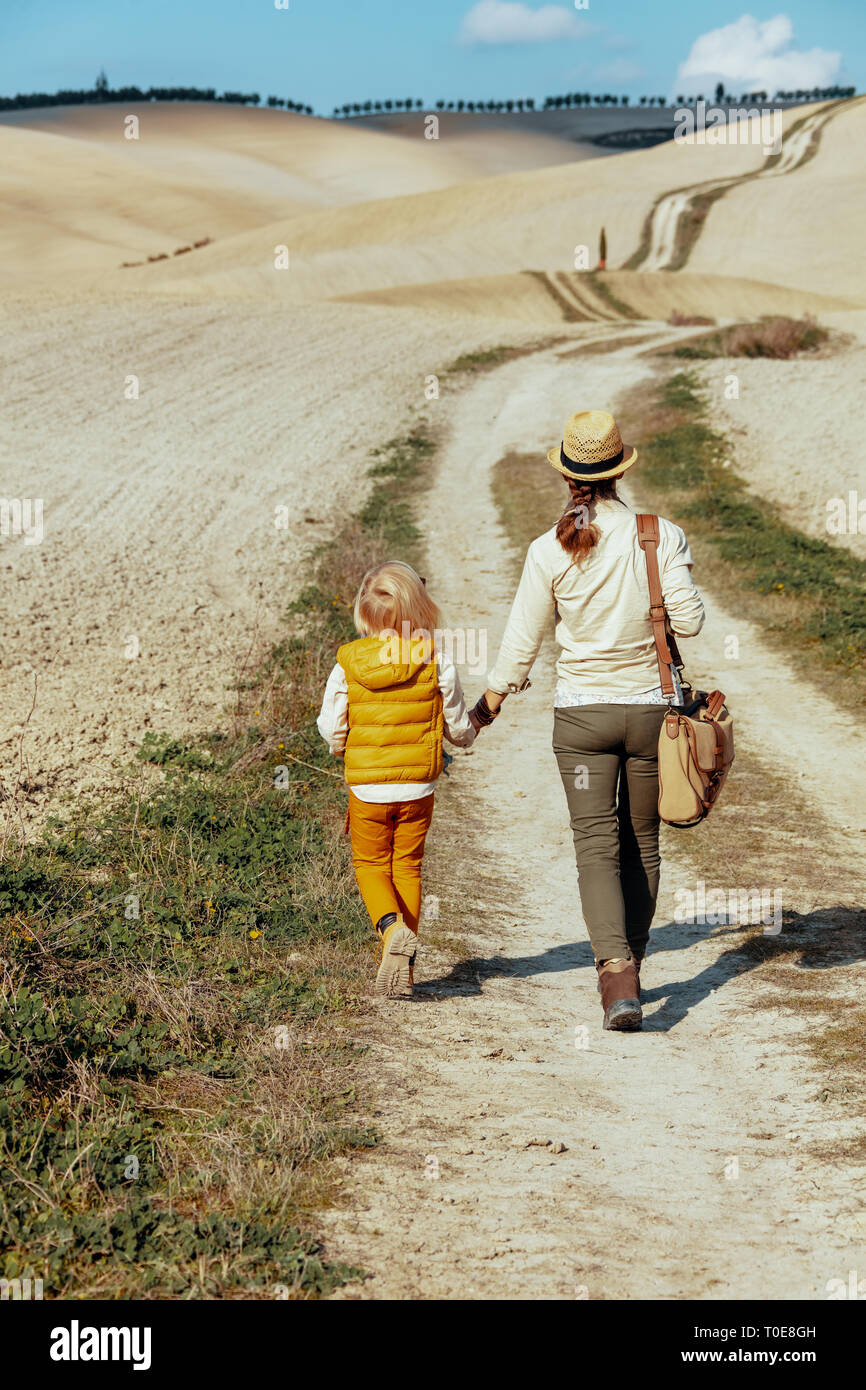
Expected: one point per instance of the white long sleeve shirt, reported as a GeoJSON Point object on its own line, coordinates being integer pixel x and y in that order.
{"type": "Point", "coordinates": [600, 611]}
{"type": "Point", "coordinates": [333, 725]}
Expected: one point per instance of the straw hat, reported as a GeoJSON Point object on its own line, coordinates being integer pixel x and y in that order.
{"type": "Point", "coordinates": [592, 448]}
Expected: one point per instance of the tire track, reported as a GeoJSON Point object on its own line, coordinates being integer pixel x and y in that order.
{"type": "Point", "coordinates": [667, 214]}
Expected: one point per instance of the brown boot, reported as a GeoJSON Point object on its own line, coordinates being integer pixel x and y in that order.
{"type": "Point", "coordinates": [619, 984]}
{"type": "Point", "coordinates": [637, 962]}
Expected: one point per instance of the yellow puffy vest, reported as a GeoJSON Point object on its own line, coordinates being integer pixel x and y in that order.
{"type": "Point", "coordinates": [395, 712]}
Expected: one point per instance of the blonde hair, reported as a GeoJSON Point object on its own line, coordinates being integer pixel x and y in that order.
{"type": "Point", "coordinates": [392, 598]}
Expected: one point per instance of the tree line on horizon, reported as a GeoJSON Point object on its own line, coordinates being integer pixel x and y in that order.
{"type": "Point", "coordinates": [578, 99]}
{"type": "Point", "coordinates": [101, 92]}
{"type": "Point", "coordinates": [722, 98]}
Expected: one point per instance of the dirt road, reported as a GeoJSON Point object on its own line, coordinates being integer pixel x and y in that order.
{"type": "Point", "coordinates": [501, 1061]}
{"type": "Point", "coordinates": [669, 209]}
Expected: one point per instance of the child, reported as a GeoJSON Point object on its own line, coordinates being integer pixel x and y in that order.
{"type": "Point", "coordinates": [388, 702]}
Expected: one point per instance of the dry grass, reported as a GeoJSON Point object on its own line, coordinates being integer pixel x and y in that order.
{"type": "Point", "coordinates": [678, 320]}
{"type": "Point", "coordinates": [600, 347]}
{"type": "Point", "coordinates": [775, 337]}
{"type": "Point", "coordinates": [208, 1040]}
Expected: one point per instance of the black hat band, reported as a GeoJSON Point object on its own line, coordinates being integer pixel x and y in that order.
{"type": "Point", "coordinates": [590, 468]}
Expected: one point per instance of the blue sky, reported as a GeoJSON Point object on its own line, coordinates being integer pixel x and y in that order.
{"type": "Point", "coordinates": [325, 52]}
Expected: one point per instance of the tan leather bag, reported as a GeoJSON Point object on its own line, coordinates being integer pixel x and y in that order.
{"type": "Point", "coordinates": [696, 741]}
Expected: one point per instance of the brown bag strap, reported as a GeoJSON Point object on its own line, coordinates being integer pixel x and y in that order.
{"type": "Point", "coordinates": [666, 647]}
{"type": "Point", "coordinates": [648, 540]}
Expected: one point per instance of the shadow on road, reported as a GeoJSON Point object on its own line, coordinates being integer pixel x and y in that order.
{"type": "Point", "coordinates": [819, 940]}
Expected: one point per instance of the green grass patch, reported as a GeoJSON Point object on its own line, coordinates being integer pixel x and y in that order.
{"type": "Point", "coordinates": [567, 308]}
{"type": "Point", "coordinates": [480, 361]}
{"type": "Point", "coordinates": [178, 971]}
{"type": "Point", "coordinates": [601, 286]}
{"type": "Point", "coordinates": [806, 594]}
{"type": "Point", "coordinates": [689, 226]}
{"type": "Point", "coordinates": [530, 497]}
{"type": "Point", "coordinates": [691, 222]}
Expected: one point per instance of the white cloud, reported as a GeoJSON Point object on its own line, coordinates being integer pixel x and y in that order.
{"type": "Point", "coordinates": [620, 70]}
{"type": "Point", "coordinates": [502, 21]}
{"type": "Point", "coordinates": [755, 56]}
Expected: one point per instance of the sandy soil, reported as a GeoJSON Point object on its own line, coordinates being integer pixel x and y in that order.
{"type": "Point", "coordinates": [524, 297]}
{"type": "Point", "coordinates": [795, 149]}
{"type": "Point", "coordinates": [808, 231]}
{"type": "Point", "coordinates": [795, 435]}
{"type": "Point", "coordinates": [499, 225]}
{"type": "Point", "coordinates": [321, 161]}
{"type": "Point", "coordinates": [491, 1069]}
{"type": "Point", "coordinates": [201, 170]}
{"type": "Point", "coordinates": [509, 153]}
{"type": "Point", "coordinates": [159, 513]}
{"type": "Point", "coordinates": [496, 144]}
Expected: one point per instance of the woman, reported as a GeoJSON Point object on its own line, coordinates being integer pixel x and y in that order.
{"type": "Point", "coordinates": [589, 573]}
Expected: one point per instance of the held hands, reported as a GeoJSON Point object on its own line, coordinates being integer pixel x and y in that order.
{"type": "Point", "coordinates": [486, 710]}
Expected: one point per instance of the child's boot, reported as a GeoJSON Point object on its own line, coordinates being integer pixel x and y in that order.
{"type": "Point", "coordinates": [396, 971]}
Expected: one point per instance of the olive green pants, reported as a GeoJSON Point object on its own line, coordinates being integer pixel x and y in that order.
{"type": "Point", "coordinates": [608, 760]}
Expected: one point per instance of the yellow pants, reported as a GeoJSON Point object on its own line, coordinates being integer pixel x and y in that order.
{"type": "Point", "coordinates": [387, 850]}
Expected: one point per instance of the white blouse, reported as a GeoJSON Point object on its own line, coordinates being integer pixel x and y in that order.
{"type": "Point", "coordinates": [600, 612]}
